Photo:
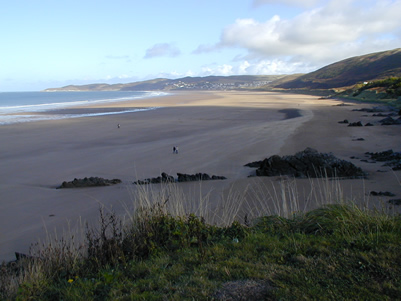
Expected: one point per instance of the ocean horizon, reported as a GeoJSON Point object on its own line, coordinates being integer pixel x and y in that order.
{"type": "Point", "coordinates": [19, 107]}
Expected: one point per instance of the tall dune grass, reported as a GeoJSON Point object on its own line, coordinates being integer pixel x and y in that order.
{"type": "Point", "coordinates": [164, 214]}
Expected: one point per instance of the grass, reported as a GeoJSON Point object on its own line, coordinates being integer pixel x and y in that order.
{"type": "Point", "coordinates": [386, 91]}
{"type": "Point", "coordinates": [166, 248]}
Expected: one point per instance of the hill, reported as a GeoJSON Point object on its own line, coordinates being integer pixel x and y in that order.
{"type": "Point", "coordinates": [348, 72]}
{"type": "Point", "coordinates": [346, 75]}
{"type": "Point", "coordinates": [186, 83]}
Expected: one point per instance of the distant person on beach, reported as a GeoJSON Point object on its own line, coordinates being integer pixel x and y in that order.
{"type": "Point", "coordinates": [173, 149]}
{"type": "Point", "coordinates": [118, 125]}
{"type": "Point", "coordinates": [176, 149]}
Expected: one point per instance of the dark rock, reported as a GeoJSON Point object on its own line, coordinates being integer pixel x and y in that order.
{"type": "Point", "coordinates": [218, 177]}
{"type": "Point", "coordinates": [380, 115]}
{"type": "Point", "coordinates": [20, 256]}
{"type": "Point", "coordinates": [197, 177]}
{"type": "Point", "coordinates": [392, 158]}
{"type": "Point", "coordinates": [344, 121]}
{"type": "Point", "coordinates": [379, 109]}
{"type": "Point", "coordinates": [165, 178]}
{"type": "Point", "coordinates": [397, 166]}
{"type": "Point", "coordinates": [369, 124]}
{"type": "Point", "coordinates": [381, 193]}
{"type": "Point", "coordinates": [387, 121]}
{"type": "Point", "coordinates": [309, 163]}
{"type": "Point", "coordinates": [89, 182]}
{"type": "Point", "coordinates": [390, 121]}
{"type": "Point", "coordinates": [358, 139]}
{"type": "Point", "coordinates": [396, 202]}
{"type": "Point", "coordinates": [355, 124]}
{"type": "Point", "coordinates": [255, 164]}
{"type": "Point", "coordinates": [384, 156]}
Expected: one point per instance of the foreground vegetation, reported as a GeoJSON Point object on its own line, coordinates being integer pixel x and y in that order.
{"type": "Point", "coordinates": [335, 252]}
{"type": "Point", "coordinates": [387, 91]}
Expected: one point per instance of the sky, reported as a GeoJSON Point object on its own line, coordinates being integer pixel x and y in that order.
{"type": "Point", "coordinates": [48, 43]}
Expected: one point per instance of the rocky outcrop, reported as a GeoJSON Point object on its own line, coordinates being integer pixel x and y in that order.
{"type": "Point", "coordinates": [392, 158]}
{"type": "Point", "coordinates": [308, 163]}
{"type": "Point", "coordinates": [89, 182]}
{"type": "Point", "coordinates": [198, 177]}
{"type": "Point", "coordinates": [358, 123]}
{"type": "Point", "coordinates": [379, 109]}
{"type": "Point", "coordinates": [382, 193]}
{"type": "Point", "coordinates": [395, 202]}
{"type": "Point", "coordinates": [165, 178]}
{"type": "Point", "coordinates": [390, 121]}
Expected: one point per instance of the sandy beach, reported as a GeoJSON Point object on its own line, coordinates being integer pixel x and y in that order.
{"type": "Point", "coordinates": [216, 133]}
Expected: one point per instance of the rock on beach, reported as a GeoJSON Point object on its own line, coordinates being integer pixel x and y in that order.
{"type": "Point", "coordinates": [89, 182]}
{"type": "Point", "coordinates": [307, 163]}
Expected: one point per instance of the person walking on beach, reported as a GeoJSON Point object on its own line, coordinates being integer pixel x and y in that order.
{"type": "Point", "coordinates": [173, 149]}
{"type": "Point", "coordinates": [176, 149]}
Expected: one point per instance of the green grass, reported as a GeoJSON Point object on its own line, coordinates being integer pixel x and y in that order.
{"type": "Point", "coordinates": [335, 252]}
{"type": "Point", "coordinates": [386, 91]}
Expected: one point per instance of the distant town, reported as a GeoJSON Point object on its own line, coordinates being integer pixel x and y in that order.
{"type": "Point", "coordinates": [214, 86]}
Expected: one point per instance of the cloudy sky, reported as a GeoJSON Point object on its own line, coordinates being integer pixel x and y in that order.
{"type": "Point", "coordinates": [49, 43]}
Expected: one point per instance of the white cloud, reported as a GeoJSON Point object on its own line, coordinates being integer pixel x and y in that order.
{"type": "Point", "coordinates": [204, 49]}
{"type": "Point", "coordinates": [223, 70]}
{"type": "Point", "coordinates": [318, 36]}
{"type": "Point", "coordinates": [275, 66]}
{"type": "Point", "coordinates": [162, 49]}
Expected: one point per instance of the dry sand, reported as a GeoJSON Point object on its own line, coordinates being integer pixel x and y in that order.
{"type": "Point", "coordinates": [217, 133]}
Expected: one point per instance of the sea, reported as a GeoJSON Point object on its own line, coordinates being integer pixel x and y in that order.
{"type": "Point", "coordinates": [19, 107]}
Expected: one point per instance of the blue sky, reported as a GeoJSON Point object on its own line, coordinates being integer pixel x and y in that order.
{"type": "Point", "coordinates": [49, 43]}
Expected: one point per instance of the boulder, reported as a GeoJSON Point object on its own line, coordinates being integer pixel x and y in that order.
{"type": "Point", "coordinates": [165, 178]}
{"type": "Point", "coordinates": [392, 159]}
{"type": "Point", "coordinates": [309, 163]}
{"type": "Point", "coordinates": [255, 164]}
{"type": "Point", "coordinates": [379, 109]}
{"type": "Point", "coordinates": [344, 121]}
{"type": "Point", "coordinates": [387, 121]}
{"type": "Point", "coordinates": [197, 177]}
{"type": "Point", "coordinates": [89, 182]}
{"type": "Point", "coordinates": [355, 124]}
{"type": "Point", "coordinates": [381, 193]}
{"type": "Point", "coordinates": [395, 202]}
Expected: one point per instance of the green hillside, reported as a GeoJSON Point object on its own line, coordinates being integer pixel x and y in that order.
{"type": "Point", "coordinates": [348, 72]}
{"type": "Point", "coordinates": [186, 83]}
